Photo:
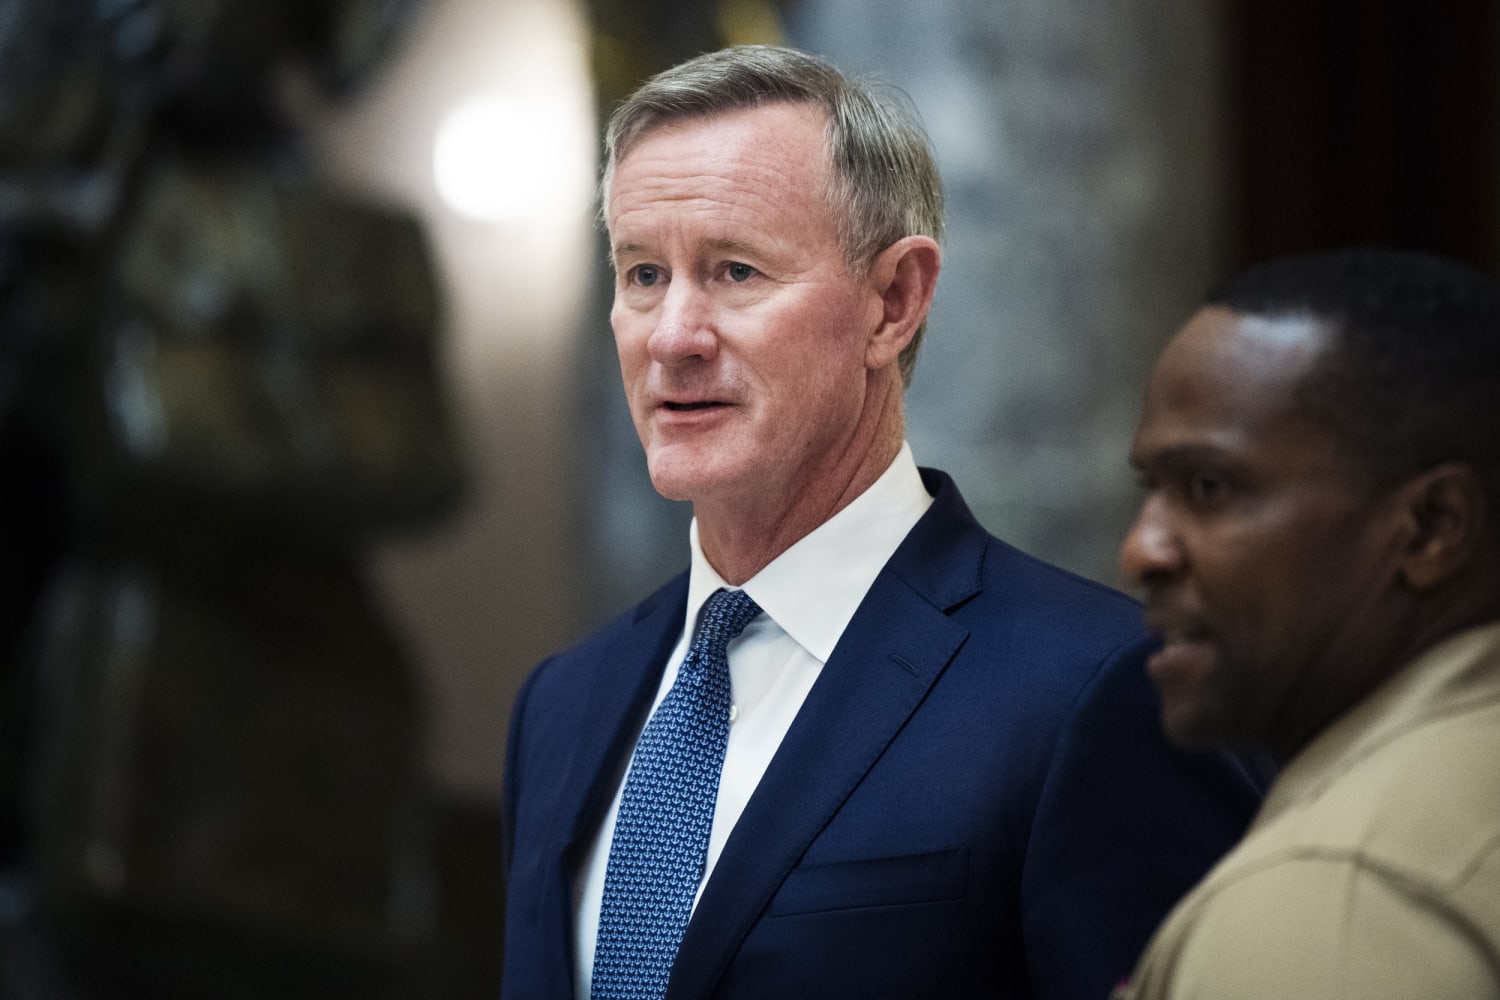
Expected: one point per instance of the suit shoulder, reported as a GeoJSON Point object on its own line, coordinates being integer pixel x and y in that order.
{"type": "Point", "coordinates": [605, 641]}
{"type": "Point", "coordinates": [955, 562]}
{"type": "Point", "coordinates": [1030, 585]}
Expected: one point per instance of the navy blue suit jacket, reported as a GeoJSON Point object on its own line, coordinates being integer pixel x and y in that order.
{"type": "Point", "coordinates": [974, 801]}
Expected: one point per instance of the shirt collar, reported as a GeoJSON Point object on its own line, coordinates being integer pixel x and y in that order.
{"type": "Point", "coordinates": [813, 588]}
{"type": "Point", "coordinates": [1460, 670]}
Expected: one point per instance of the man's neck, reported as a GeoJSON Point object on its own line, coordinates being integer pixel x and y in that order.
{"type": "Point", "coordinates": [739, 540]}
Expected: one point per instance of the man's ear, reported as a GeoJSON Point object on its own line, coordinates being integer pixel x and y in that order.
{"type": "Point", "coordinates": [903, 276]}
{"type": "Point", "coordinates": [1445, 508]}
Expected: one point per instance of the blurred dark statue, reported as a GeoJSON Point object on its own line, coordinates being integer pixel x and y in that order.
{"type": "Point", "coordinates": [217, 385]}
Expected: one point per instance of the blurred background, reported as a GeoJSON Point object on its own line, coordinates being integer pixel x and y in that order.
{"type": "Point", "coordinates": [312, 441]}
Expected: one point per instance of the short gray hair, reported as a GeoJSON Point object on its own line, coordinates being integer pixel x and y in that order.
{"type": "Point", "coordinates": [884, 182]}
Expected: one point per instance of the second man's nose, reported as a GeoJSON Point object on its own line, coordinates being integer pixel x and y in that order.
{"type": "Point", "coordinates": [1151, 549]}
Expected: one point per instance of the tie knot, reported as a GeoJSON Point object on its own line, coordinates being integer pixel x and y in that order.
{"type": "Point", "coordinates": [725, 616]}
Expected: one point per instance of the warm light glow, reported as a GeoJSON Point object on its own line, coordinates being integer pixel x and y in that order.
{"type": "Point", "coordinates": [500, 159]}
{"type": "Point", "coordinates": [485, 125]}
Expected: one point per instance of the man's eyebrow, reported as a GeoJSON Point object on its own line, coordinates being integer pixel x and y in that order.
{"type": "Point", "coordinates": [622, 249]}
{"type": "Point", "coordinates": [1174, 456]}
{"type": "Point", "coordinates": [733, 246]}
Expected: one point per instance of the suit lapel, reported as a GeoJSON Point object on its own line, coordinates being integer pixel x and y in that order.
{"type": "Point", "coordinates": [618, 696]}
{"type": "Point", "coordinates": [617, 704]}
{"type": "Point", "coordinates": [876, 678]}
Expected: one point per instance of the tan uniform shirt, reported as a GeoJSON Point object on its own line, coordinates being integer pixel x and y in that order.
{"type": "Point", "coordinates": [1373, 869]}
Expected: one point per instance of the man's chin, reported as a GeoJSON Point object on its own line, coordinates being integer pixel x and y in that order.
{"type": "Point", "coordinates": [702, 470]}
{"type": "Point", "coordinates": [683, 481]}
{"type": "Point", "coordinates": [1190, 727]}
{"type": "Point", "coordinates": [670, 489]}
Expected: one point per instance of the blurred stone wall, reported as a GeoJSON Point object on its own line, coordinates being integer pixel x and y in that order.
{"type": "Point", "coordinates": [1082, 162]}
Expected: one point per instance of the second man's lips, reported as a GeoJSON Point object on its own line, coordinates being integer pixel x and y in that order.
{"type": "Point", "coordinates": [1172, 627]}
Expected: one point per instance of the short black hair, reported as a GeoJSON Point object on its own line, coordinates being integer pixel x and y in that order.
{"type": "Point", "coordinates": [1412, 374]}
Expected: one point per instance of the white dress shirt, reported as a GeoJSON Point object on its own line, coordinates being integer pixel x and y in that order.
{"type": "Point", "coordinates": [807, 595]}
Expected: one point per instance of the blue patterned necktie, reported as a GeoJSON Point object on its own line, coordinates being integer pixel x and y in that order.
{"type": "Point", "coordinates": [666, 811]}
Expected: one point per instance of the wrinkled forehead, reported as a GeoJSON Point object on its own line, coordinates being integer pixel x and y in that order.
{"type": "Point", "coordinates": [766, 161]}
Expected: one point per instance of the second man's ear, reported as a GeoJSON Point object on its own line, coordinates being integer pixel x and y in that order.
{"type": "Point", "coordinates": [1446, 508]}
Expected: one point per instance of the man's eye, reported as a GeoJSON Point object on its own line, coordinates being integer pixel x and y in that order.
{"type": "Point", "coordinates": [645, 274]}
{"type": "Point", "coordinates": [1205, 488]}
{"type": "Point", "coordinates": [740, 272]}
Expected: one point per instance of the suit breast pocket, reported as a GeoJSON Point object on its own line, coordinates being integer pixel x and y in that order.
{"type": "Point", "coordinates": [904, 880]}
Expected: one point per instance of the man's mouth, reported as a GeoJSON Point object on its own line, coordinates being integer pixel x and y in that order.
{"type": "Point", "coordinates": [1179, 635]}
{"type": "Point", "coordinates": [1173, 625]}
{"type": "Point", "coordinates": [703, 404]}
{"type": "Point", "coordinates": [1184, 652]}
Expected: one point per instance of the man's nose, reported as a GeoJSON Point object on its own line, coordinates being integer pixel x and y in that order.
{"type": "Point", "coordinates": [1151, 550]}
{"type": "Point", "coordinates": [684, 326]}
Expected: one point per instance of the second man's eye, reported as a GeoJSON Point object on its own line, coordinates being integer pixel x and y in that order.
{"type": "Point", "coordinates": [740, 272]}
{"type": "Point", "coordinates": [647, 274]}
{"type": "Point", "coordinates": [1206, 489]}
